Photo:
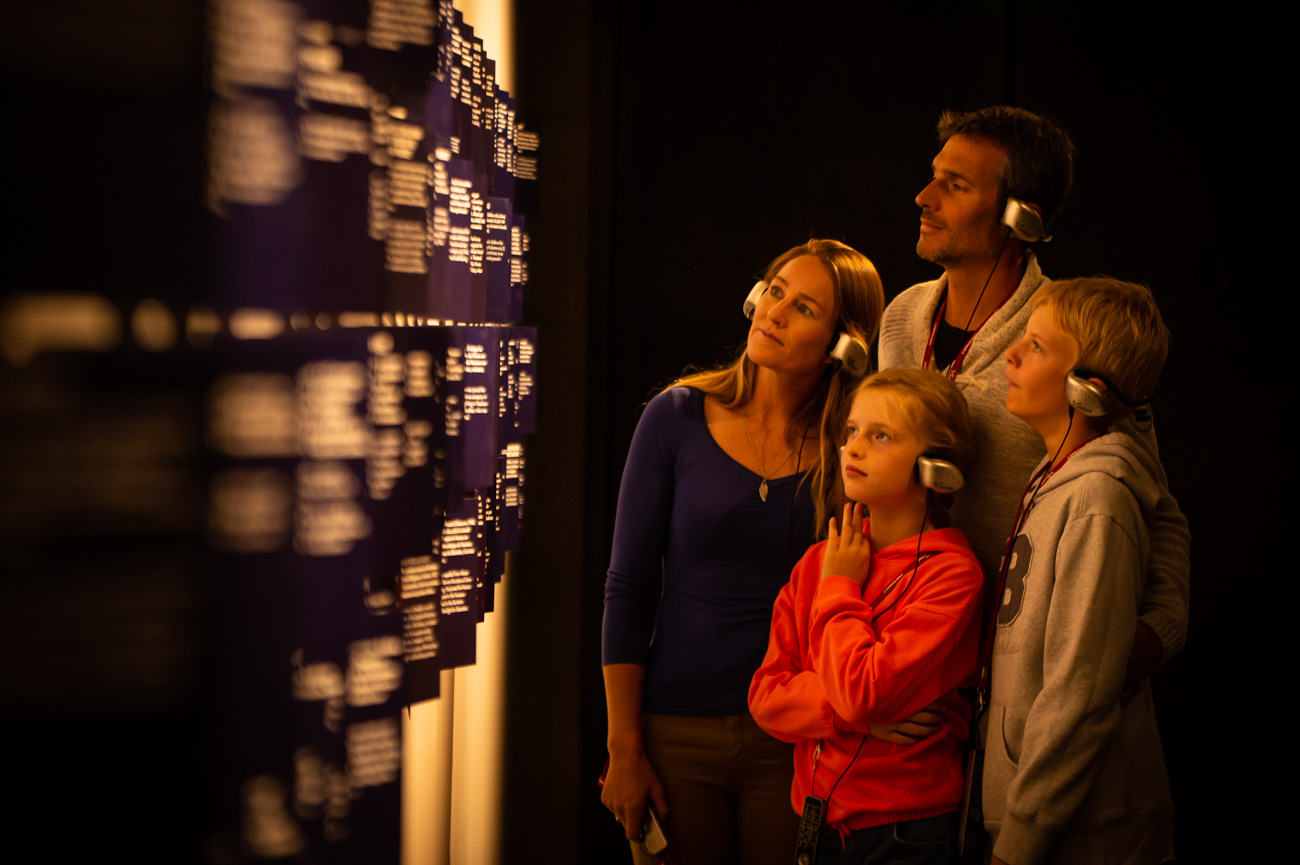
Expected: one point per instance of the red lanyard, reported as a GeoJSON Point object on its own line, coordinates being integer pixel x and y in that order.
{"type": "Point", "coordinates": [915, 568]}
{"type": "Point", "coordinates": [955, 366]}
{"type": "Point", "coordinates": [1022, 511]}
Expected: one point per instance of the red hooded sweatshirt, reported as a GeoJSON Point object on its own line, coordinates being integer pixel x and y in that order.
{"type": "Point", "coordinates": [840, 658]}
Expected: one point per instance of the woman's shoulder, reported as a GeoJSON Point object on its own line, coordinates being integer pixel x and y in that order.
{"type": "Point", "coordinates": [678, 401]}
{"type": "Point", "coordinates": [672, 413]}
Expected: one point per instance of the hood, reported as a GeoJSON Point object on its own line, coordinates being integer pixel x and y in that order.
{"type": "Point", "coordinates": [1121, 457]}
{"type": "Point", "coordinates": [933, 541]}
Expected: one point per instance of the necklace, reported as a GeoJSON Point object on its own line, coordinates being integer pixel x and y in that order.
{"type": "Point", "coordinates": [762, 487]}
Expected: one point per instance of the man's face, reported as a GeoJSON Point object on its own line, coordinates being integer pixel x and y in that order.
{"type": "Point", "coordinates": [960, 219]}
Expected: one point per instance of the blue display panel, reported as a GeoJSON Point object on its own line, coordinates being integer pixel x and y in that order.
{"type": "Point", "coordinates": [309, 646]}
{"type": "Point", "coordinates": [256, 498]}
{"type": "Point", "coordinates": [371, 393]}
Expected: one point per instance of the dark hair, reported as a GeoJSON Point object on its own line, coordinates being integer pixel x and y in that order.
{"type": "Point", "coordinates": [1040, 155]}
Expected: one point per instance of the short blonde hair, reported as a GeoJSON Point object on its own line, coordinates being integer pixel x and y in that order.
{"type": "Point", "coordinates": [1118, 329]}
{"type": "Point", "coordinates": [938, 414]}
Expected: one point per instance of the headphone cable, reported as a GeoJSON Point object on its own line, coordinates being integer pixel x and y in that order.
{"type": "Point", "coordinates": [996, 262]}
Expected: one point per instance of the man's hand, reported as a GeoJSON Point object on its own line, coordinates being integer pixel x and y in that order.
{"type": "Point", "coordinates": [1142, 661]}
{"type": "Point", "coordinates": [922, 725]}
{"type": "Point", "coordinates": [848, 554]}
{"type": "Point", "coordinates": [629, 784]}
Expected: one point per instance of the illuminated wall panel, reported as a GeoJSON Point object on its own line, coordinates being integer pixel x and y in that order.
{"type": "Point", "coordinates": [265, 397]}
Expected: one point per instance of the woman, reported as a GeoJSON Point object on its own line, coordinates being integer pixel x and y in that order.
{"type": "Point", "coordinates": [729, 474]}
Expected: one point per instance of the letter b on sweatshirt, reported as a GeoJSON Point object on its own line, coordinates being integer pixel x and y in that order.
{"type": "Point", "coordinates": [1013, 593]}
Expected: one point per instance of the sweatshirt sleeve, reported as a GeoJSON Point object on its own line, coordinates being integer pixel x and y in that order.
{"type": "Point", "coordinates": [1166, 593]}
{"type": "Point", "coordinates": [785, 696]}
{"type": "Point", "coordinates": [880, 678]}
{"type": "Point", "coordinates": [640, 536]}
{"type": "Point", "coordinates": [1089, 634]}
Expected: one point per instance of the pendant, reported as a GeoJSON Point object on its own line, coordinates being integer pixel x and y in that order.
{"type": "Point", "coordinates": [762, 490]}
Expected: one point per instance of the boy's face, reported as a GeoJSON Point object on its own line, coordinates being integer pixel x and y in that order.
{"type": "Point", "coordinates": [1036, 368]}
{"type": "Point", "coordinates": [880, 449]}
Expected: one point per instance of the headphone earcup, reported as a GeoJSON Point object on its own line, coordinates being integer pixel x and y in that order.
{"type": "Point", "coordinates": [1086, 396]}
{"type": "Point", "coordinates": [1024, 222]}
{"type": "Point", "coordinates": [850, 352]}
{"type": "Point", "coordinates": [751, 301]}
{"type": "Point", "coordinates": [938, 474]}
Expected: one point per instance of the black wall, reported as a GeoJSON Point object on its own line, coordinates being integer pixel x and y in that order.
{"type": "Point", "coordinates": [684, 147]}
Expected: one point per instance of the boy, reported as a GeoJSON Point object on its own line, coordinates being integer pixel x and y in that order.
{"type": "Point", "coordinates": [1070, 775]}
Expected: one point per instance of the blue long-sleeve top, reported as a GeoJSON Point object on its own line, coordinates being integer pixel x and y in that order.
{"type": "Point", "coordinates": [692, 533]}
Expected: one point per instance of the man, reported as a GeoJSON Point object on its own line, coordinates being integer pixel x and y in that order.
{"type": "Point", "coordinates": [964, 322]}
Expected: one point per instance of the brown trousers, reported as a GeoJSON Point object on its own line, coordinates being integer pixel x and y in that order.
{"type": "Point", "coordinates": [728, 789]}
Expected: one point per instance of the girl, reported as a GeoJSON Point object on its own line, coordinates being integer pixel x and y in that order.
{"type": "Point", "coordinates": [877, 622]}
{"type": "Point", "coordinates": [716, 504]}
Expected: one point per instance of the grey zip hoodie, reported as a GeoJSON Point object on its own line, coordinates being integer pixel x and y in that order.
{"type": "Point", "coordinates": [1069, 774]}
{"type": "Point", "coordinates": [1006, 448]}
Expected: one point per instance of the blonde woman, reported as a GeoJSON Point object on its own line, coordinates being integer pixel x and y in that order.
{"type": "Point", "coordinates": [729, 473]}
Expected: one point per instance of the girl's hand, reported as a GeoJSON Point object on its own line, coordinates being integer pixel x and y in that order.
{"type": "Point", "coordinates": [848, 554]}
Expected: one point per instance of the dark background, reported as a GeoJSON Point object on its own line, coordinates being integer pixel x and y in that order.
{"type": "Point", "coordinates": [683, 147]}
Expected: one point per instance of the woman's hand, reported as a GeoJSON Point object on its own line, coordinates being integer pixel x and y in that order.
{"type": "Point", "coordinates": [848, 554]}
{"type": "Point", "coordinates": [922, 725]}
{"type": "Point", "coordinates": [629, 784]}
{"type": "Point", "coordinates": [630, 781]}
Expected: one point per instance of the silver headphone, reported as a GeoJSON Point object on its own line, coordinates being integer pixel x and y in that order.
{"type": "Point", "coordinates": [936, 473]}
{"type": "Point", "coordinates": [1095, 401]}
{"type": "Point", "coordinates": [847, 349]}
{"type": "Point", "coordinates": [1024, 222]}
{"type": "Point", "coordinates": [1086, 396]}
{"type": "Point", "coordinates": [939, 474]}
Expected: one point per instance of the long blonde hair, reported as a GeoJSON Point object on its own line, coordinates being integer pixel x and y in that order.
{"type": "Point", "coordinates": [859, 304]}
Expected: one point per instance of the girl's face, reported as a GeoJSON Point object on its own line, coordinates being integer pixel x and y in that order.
{"type": "Point", "coordinates": [795, 318]}
{"type": "Point", "coordinates": [878, 459]}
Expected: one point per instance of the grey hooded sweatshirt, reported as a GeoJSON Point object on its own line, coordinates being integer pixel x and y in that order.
{"type": "Point", "coordinates": [1069, 774]}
